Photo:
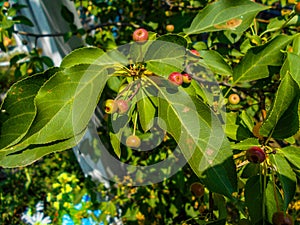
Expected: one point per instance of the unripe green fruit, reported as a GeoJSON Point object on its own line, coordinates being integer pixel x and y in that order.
{"type": "Point", "coordinates": [140, 35]}
{"type": "Point", "coordinates": [186, 78]}
{"type": "Point", "coordinates": [176, 78]}
{"type": "Point", "coordinates": [133, 141]}
{"type": "Point", "coordinates": [234, 99]}
{"type": "Point", "coordinates": [279, 218]}
{"type": "Point", "coordinates": [122, 106]}
{"type": "Point", "coordinates": [197, 189]}
{"type": "Point", "coordinates": [297, 8]}
{"type": "Point", "coordinates": [111, 106]}
{"type": "Point", "coordinates": [255, 154]}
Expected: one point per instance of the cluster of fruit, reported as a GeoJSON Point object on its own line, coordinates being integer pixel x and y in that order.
{"type": "Point", "coordinates": [120, 106]}
{"type": "Point", "coordinates": [180, 78]}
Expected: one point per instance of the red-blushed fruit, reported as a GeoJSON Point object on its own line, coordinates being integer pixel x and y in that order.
{"type": "Point", "coordinates": [140, 35]}
{"type": "Point", "coordinates": [6, 5]}
{"type": "Point", "coordinates": [255, 154]}
{"type": "Point", "coordinates": [297, 8]}
{"type": "Point", "coordinates": [170, 27]}
{"type": "Point", "coordinates": [197, 189]}
{"type": "Point", "coordinates": [133, 141]}
{"type": "Point", "coordinates": [186, 78]}
{"type": "Point", "coordinates": [111, 106]}
{"type": "Point", "coordinates": [176, 78]}
{"type": "Point", "coordinates": [234, 99]}
{"type": "Point", "coordinates": [122, 106]}
{"type": "Point", "coordinates": [279, 218]}
{"type": "Point", "coordinates": [195, 52]}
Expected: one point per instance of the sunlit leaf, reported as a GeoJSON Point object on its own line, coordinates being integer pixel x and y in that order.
{"type": "Point", "coordinates": [199, 135]}
{"type": "Point", "coordinates": [255, 64]}
{"type": "Point", "coordinates": [225, 14]}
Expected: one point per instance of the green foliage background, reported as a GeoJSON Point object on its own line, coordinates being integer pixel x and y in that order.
{"type": "Point", "coordinates": [252, 49]}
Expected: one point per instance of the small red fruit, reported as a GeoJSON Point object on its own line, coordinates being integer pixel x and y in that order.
{"type": "Point", "coordinates": [255, 154]}
{"type": "Point", "coordinates": [140, 35]}
{"type": "Point", "coordinates": [111, 106]}
{"type": "Point", "coordinates": [186, 78]}
{"type": "Point", "coordinates": [176, 78]}
{"type": "Point", "coordinates": [122, 106]}
{"type": "Point", "coordinates": [197, 189]}
{"type": "Point", "coordinates": [195, 52]}
{"type": "Point", "coordinates": [234, 99]}
{"type": "Point", "coordinates": [170, 27]}
{"type": "Point", "coordinates": [133, 141]}
{"type": "Point", "coordinates": [297, 8]}
{"type": "Point", "coordinates": [279, 218]}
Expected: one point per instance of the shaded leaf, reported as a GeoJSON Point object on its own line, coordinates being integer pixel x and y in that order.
{"type": "Point", "coordinates": [286, 176]}
{"type": "Point", "coordinates": [67, 14]}
{"type": "Point", "coordinates": [287, 95]}
{"type": "Point", "coordinates": [271, 204]}
{"type": "Point", "coordinates": [32, 153]}
{"type": "Point", "coordinates": [254, 198]}
{"type": "Point", "coordinates": [23, 20]}
{"type": "Point", "coordinates": [18, 109]}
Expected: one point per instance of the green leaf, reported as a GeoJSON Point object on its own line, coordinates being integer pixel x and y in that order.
{"type": "Point", "coordinates": [163, 58]}
{"type": "Point", "coordinates": [67, 14]}
{"type": "Point", "coordinates": [216, 62]}
{"type": "Point", "coordinates": [287, 97]}
{"type": "Point", "coordinates": [296, 45]}
{"type": "Point", "coordinates": [115, 142]}
{"type": "Point", "coordinates": [234, 128]}
{"type": "Point", "coordinates": [23, 20]}
{"type": "Point", "coordinates": [245, 144]}
{"type": "Point", "coordinates": [223, 15]}
{"type": "Point", "coordinates": [16, 58]}
{"type": "Point", "coordinates": [47, 60]}
{"type": "Point", "coordinates": [174, 38]}
{"type": "Point", "coordinates": [146, 110]}
{"type": "Point", "coordinates": [271, 204]}
{"type": "Point", "coordinates": [286, 176]}
{"type": "Point", "coordinates": [199, 135]}
{"type": "Point", "coordinates": [32, 153]}
{"type": "Point", "coordinates": [289, 67]}
{"type": "Point", "coordinates": [82, 56]}
{"type": "Point", "coordinates": [255, 64]}
{"type": "Point", "coordinates": [66, 103]}
{"type": "Point", "coordinates": [18, 109]}
{"type": "Point", "coordinates": [254, 198]}
{"type": "Point", "coordinates": [292, 154]}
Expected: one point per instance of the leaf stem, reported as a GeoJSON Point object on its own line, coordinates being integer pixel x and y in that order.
{"type": "Point", "coordinates": [275, 194]}
{"type": "Point", "coordinates": [264, 191]}
{"type": "Point", "coordinates": [135, 122]}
